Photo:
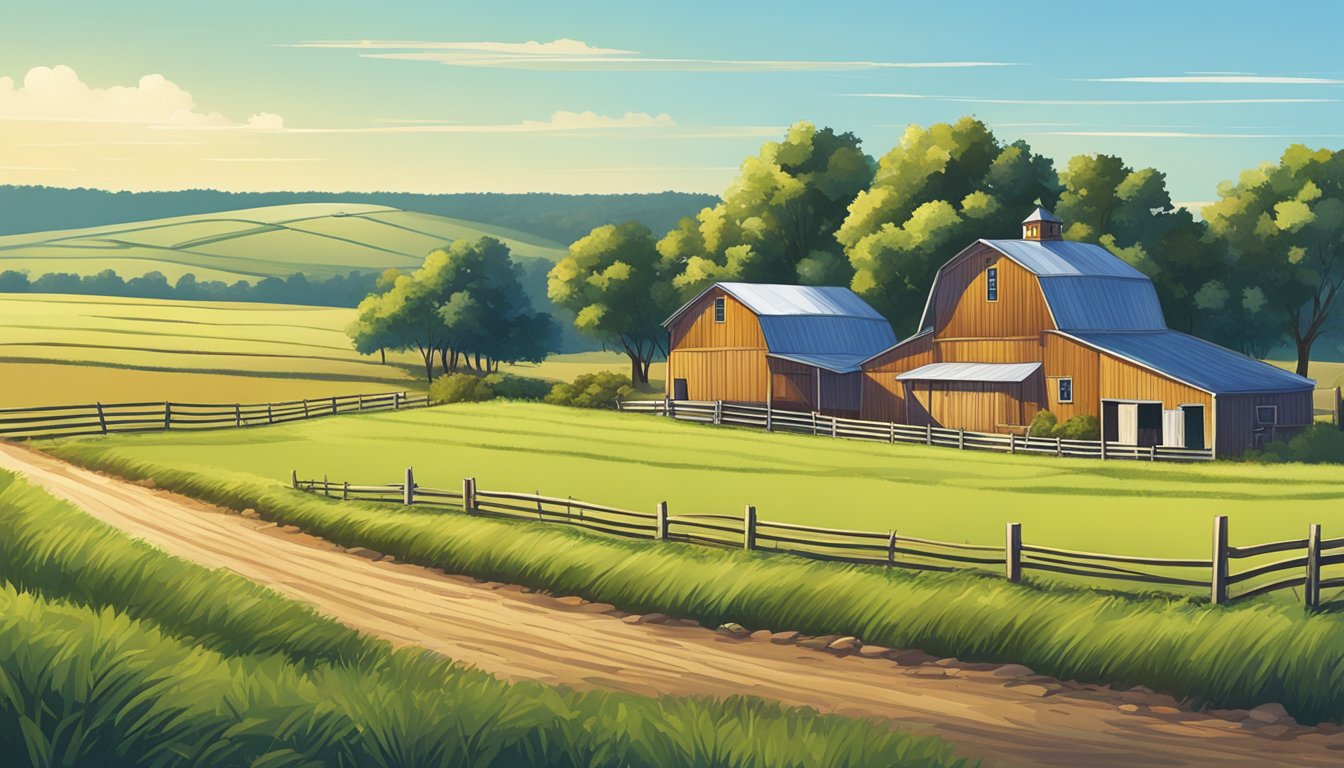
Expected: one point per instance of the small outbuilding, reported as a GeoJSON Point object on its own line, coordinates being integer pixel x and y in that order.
{"type": "Point", "coordinates": [794, 347]}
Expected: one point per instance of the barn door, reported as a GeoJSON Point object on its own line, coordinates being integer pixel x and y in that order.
{"type": "Point", "coordinates": [1173, 428]}
{"type": "Point", "coordinates": [1127, 423]}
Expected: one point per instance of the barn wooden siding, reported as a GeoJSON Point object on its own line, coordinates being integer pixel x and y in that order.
{"type": "Point", "coordinates": [960, 310]}
{"type": "Point", "coordinates": [973, 405]}
{"type": "Point", "coordinates": [883, 395]}
{"type": "Point", "coordinates": [719, 361]}
{"type": "Point", "coordinates": [1236, 417]}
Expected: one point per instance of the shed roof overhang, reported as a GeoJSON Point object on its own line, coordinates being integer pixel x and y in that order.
{"type": "Point", "coordinates": [983, 372]}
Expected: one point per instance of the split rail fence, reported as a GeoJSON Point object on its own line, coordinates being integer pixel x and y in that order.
{"type": "Point", "coordinates": [774, 419]}
{"type": "Point", "coordinates": [1305, 567]}
{"type": "Point", "coordinates": [107, 418]}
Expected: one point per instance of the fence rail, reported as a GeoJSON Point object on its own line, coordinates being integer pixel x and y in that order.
{"type": "Point", "coordinates": [108, 418]}
{"type": "Point", "coordinates": [775, 420]}
{"type": "Point", "coordinates": [1305, 567]}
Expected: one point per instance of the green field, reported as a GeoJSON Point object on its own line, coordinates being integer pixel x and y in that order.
{"type": "Point", "coordinates": [316, 239]}
{"type": "Point", "coordinates": [58, 350]}
{"type": "Point", "coordinates": [635, 461]}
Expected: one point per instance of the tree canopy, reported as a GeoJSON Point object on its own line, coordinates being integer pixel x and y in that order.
{"type": "Point", "coordinates": [942, 187]}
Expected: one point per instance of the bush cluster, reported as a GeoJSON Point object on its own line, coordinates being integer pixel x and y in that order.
{"type": "Point", "coordinates": [471, 388]}
{"type": "Point", "coordinates": [1317, 444]}
{"type": "Point", "coordinates": [1080, 427]}
{"type": "Point", "coordinates": [591, 390]}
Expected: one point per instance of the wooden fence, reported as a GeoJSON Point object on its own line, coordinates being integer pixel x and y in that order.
{"type": "Point", "coordinates": [1305, 568]}
{"type": "Point", "coordinates": [106, 418]}
{"type": "Point", "coordinates": [774, 419]}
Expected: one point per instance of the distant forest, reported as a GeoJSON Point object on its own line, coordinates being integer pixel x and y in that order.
{"type": "Point", "coordinates": [563, 218]}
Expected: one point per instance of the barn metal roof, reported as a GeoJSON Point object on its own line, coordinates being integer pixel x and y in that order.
{"type": "Point", "coordinates": [1065, 257]}
{"type": "Point", "coordinates": [999, 372]}
{"type": "Point", "coordinates": [827, 362]}
{"type": "Point", "coordinates": [1194, 361]}
{"type": "Point", "coordinates": [1103, 304]}
{"type": "Point", "coordinates": [809, 300]}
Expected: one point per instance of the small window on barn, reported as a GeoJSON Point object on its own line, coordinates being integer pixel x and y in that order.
{"type": "Point", "coordinates": [992, 284]}
{"type": "Point", "coordinates": [719, 309]}
{"type": "Point", "coordinates": [1066, 390]}
{"type": "Point", "coordinates": [1266, 415]}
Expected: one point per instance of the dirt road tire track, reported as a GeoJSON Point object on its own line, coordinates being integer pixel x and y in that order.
{"type": "Point", "coordinates": [516, 635]}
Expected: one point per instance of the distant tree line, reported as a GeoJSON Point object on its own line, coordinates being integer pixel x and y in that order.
{"type": "Point", "coordinates": [1263, 266]}
{"type": "Point", "coordinates": [465, 309]}
{"type": "Point", "coordinates": [563, 218]}
{"type": "Point", "coordinates": [335, 291]}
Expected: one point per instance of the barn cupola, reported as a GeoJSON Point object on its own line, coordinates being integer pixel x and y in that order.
{"type": "Point", "coordinates": [1042, 225]}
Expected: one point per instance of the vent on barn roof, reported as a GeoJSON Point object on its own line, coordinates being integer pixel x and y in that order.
{"type": "Point", "coordinates": [1042, 225]}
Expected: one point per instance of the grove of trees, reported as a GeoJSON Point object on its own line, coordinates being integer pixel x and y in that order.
{"type": "Point", "coordinates": [464, 308]}
{"type": "Point", "coordinates": [1263, 266]}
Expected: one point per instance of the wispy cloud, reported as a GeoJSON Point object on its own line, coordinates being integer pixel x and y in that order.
{"type": "Point", "coordinates": [559, 122]}
{"type": "Point", "coordinates": [1088, 102]}
{"type": "Point", "coordinates": [575, 54]}
{"type": "Point", "coordinates": [1222, 78]}
{"type": "Point", "coordinates": [1189, 135]}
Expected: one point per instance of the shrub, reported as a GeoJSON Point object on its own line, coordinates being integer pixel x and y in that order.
{"type": "Point", "coordinates": [460, 388]}
{"type": "Point", "coordinates": [1317, 444]}
{"type": "Point", "coordinates": [1043, 424]}
{"type": "Point", "coordinates": [591, 390]}
{"type": "Point", "coordinates": [1080, 427]}
{"type": "Point", "coordinates": [511, 387]}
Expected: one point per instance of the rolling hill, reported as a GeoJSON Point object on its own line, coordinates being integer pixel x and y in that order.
{"type": "Point", "coordinates": [316, 239]}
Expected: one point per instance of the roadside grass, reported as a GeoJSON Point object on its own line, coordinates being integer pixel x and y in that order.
{"type": "Point", "coordinates": [1237, 656]}
{"type": "Point", "coordinates": [134, 672]}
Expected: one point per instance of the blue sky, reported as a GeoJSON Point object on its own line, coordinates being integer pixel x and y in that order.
{"type": "Point", "coordinates": [637, 96]}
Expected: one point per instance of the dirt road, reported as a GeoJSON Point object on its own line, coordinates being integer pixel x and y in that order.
{"type": "Point", "coordinates": [1008, 722]}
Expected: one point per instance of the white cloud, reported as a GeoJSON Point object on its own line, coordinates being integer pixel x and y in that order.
{"type": "Point", "coordinates": [56, 94]}
{"type": "Point", "coordinates": [575, 54]}
{"type": "Point", "coordinates": [1222, 78]}
{"type": "Point", "coordinates": [1088, 102]}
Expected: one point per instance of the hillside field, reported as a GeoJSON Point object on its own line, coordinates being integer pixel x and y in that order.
{"type": "Point", "coordinates": [77, 349]}
{"type": "Point", "coordinates": [316, 239]}
{"type": "Point", "coordinates": [635, 461]}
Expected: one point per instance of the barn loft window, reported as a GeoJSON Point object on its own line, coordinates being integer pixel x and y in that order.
{"type": "Point", "coordinates": [718, 310]}
{"type": "Point", "coordinates": [1266, 415]}
{"type": "Point", "coordinates": [992, 284]}
{"type": "Point", "coordinates": [1066, 390]}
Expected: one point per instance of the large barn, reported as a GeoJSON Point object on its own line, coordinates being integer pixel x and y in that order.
{"type": "Point", "coordinates": [1015, 326]}
{"type": "Point", "coordinates": [791, 346]}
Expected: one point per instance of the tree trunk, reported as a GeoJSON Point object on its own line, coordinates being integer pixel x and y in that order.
{"type": "Point", "coordinates": [443, 359]}
{"type": "Point", "coordinates": [429, 366]}
{"type": "Point", "coordinates": [1304, 355]}
{"type": "Point", "coordinates": [638, 373]}
{"type": "Point", "coordinates": [382, 351]}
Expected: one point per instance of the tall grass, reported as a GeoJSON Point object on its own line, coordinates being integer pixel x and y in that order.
{"type": "Point", "coordinates": [84, 682]}
{"type": "Point", "coordinates": [1234, 656]}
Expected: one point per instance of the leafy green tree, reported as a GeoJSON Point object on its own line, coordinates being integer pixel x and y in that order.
{"type": "Point", "coordinates": [1283, 227]}
{"type": "Point", "coordinates": [940, 188]}
{"type": "Point", "coordinates": [1130, 213]}
{"type": "Point", "coordinates": [777, 220]}
{"type": "Point", "coordinates": [620, 289]}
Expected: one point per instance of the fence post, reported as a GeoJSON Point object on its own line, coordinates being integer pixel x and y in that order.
{"type": "Point", "coordinates": [102, 422]}
{"type": "Point", "coordinates": [1012, 552]}
{"type": "Point", "coordinates": [961, 439]}
{"type": "Point", "coordinates": [1312, 590]}
{"type": "Point", "coordinates": [769, 422]}
{"type": "Point", "coordinates": [1012, 442]}
{"type": "Point", "coordinates": [749, 528]}
{"type": "Point", "coordinates": [814, 422]}
{"type": "Point", "coordinates": [361, 403]}
{"type": "Point", "coordinates": [293, 478]}
{"type": "Point", "coordinates": [469, 495]}
{"type": "Point", "coordinates": [892, 430]}
{"type": "Point", "coordinates": [834, 430]}
{"type": "Point", "coordinates": [408, 489]}
{"type": "Point", "coordinates": [305, 408]}
{"type": "Point", "coordinates": [237, 414]}
{"type": "Point", "coordinates": [396, 401]}
{"type": "Point", "coordinates": [667, 406]}
{"type": "Point", "coordinates": [1152, 453]}
{"type": "Point", "coordinates": [1218, 581]}
{"type": "Point", "coordinates": [1103, 448]}
{"type": "Point", "coordinates": [270, 414]}
{"type": "Point", "coordinates": [928, 433]}
{"type": "Point", "coordinates": [1059, 446]}
{"type": "Point", "coordinates": [660, 524]}
{"type": "Point", "coordinates": [718, 412]}
{"type": "Point", "coordinates": [891, 547]}
{"type": "Point", "coordinates": [345, 491]}
{"type": "Point", "coordinates": [326, 487]}
{"type": "Point", "coordinates": [167, 415]}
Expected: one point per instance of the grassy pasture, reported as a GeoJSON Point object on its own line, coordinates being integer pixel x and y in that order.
{"type": "Point", "coordinates": [634, 461]}
{"type": "Point", "coordinates": [76, 349]}
{"type": "Point", "coordinates": [317, 239]}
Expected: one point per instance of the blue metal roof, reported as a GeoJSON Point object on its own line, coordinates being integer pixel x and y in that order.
{"type": "Point", "coordinates": [1040, 214]}
{"type": "Point", "coordinates": [1103, 304]}
{"type": "Point", "coordinates": [991, 372]}
{"type": "Point", "coordinates": [811, 300]}
{"type": "Point", "coordinates": [788, 334]}
{"type": "Point", "coordinates": [1196, 362]}
{"type": "Point", "coordinates": [829, 362]}
{"type": "Point", "coordinates": [1065, 257]}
